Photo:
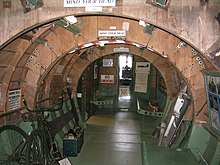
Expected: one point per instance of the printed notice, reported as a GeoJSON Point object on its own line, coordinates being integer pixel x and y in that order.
{"type": "Point", "coordinates": [86, 3]}
{"type": "Point", "coordinates": [107, 78]}
{"type": "Point", "coordinates": [111, 33]}
{"type": "Point", "coordinates": [14, 99]}
{"type": "Point", "coordinates": [107, 62]}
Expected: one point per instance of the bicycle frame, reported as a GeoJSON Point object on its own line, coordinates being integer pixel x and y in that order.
{"type": "Point", "coordinates": [40, 144]}
{"type": "Point", "coordinates": [38, 148]}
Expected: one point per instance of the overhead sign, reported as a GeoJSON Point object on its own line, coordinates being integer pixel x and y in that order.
{"type": "Point", "coordinates": [121, 49]}
{"type": "Point", "coordinates": [112, 33]}
{"type": "Point", "coordinates": [86, 3]}
{"type": "Point", "coordinates": [107, 79]}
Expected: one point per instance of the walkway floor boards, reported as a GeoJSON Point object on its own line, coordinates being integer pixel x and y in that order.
{"type": "Point", "coordinates": [118, 140]}
{"type": "Point", "coordinates": [166, 156]}
{"type": "Point", "coordinates": [111, 140]}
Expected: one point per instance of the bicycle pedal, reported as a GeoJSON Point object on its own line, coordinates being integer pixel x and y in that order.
{"type": "Point", "coordinates": [56, 154]}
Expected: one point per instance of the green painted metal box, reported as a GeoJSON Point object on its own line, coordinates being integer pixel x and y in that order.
{"type": "Point", "coordinates": [73, 146]}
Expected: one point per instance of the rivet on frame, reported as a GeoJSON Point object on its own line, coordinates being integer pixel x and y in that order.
{"type": "Point", "coordinates": [200, 62]}
{"type": "Point", "coordinates": [198, 58]}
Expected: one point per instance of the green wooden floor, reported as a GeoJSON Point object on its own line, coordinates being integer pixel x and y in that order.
{"type": "Point", "coordinates": [124, 138]}
{"type": "Point", "coordinates": [111, 140]}
{"type": "Point", "coordinates": [155, 155]}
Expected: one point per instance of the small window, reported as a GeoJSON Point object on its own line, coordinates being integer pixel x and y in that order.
{"type": "Point", "coordinates": [162, 3]}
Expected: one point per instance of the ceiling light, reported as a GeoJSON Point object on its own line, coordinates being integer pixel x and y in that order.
{"type": "Point", "coordinates": [142, 23]}
{"type": "Point", "coordinates": [180, 45]}
{"type": "Point", "coordinates": [71, 19]}
{"type": "Point", "coordinates": [217, 54]}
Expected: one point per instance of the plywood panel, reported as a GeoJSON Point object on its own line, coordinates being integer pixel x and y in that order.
{"type": "Point", "coordinates": [6, 57]}
{"type": "Point", "coordinates": [163, 42]}
{"type": "Point", "coordinates": [61, 41]}
{"type": "Point", "coordinates": [88, 31]}
{"type": "Point", "coordinates": [32, 78]}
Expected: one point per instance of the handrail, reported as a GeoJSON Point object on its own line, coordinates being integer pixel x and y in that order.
{"type": "Point", "coordinates": [12, 111]}
{"type": "Point", "coordinates": [42, 109]}
{"type": "Point", "coordinates": [144, 154]}
{"type": "Point", "coordinates": [200, 155]}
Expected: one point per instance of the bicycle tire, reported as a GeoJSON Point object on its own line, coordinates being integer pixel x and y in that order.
{"type": "Point", "coordinates": [13, 142]}
{"type": "Point", "coordinates": [38, 150]}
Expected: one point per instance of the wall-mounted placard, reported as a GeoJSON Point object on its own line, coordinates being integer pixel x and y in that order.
{"type": "Point", "coordinates": [212, 80]}
{"type": "Point", "coordinates": [108, 62]}
{"type": "Point", "coordinates": [14, 99]}
{"type": "Point", "coordinates": [142, 71]}
{"type": "Point", "coordinates": [111, 33]}
{"type": "Point", "coordinates": [91, 3]}
{"type": "Point", "coordinates": [107, 79]}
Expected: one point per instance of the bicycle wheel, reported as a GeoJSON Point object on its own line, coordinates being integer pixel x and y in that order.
{"type": "Point", "coordinates": [12, 145]}
{"type": "Point", "coordinates": [38, 150]}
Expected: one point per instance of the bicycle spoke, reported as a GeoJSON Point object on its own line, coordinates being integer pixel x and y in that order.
{"type": "Point", "coordinates": [12, 144]}
{"type": "Point", "coordinates": [39, 150]}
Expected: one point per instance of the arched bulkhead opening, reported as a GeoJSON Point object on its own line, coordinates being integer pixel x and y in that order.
{"type": "Point", "coordinates": [52, 54]}
{"type": "Point", "coordinates": [36, 59]}
{"type": "Point", "coordinates": [89, 57]}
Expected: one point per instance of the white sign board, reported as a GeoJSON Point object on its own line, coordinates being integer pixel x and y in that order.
{"type": "Point", "coordinates": [124, 91]}
{"type": "Point", "coordinates": [64, 161]}
{"type": "Point", "coordinates": [85, 3]}
{"type": "Point", "coordinates": [111, 33]}
{"type": "Point", "coordinates": [14, 99]}
{"type": "Point", "coordinates": [95, 76]}
{"type": "Point", "coordinates": [107, 62]}
{"type": "Point", "coordinates": [142, 67]}
{"type": "Point", "coordinates": [142, 88]}
{"type": "Point", "coordinates": [141, 82]}
{"type": "Point", "coordinates": [107, 79]}
{"type": "Point", "coordinates": [121, 49]}
{"type": "Point", "coordinates": [142, 70]}
{"type": "Point", "coordinates": [141, 78]}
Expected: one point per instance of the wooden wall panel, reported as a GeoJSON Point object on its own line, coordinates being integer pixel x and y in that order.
{"type": "Point", "coordinates": [88, 32]}
{"type": "Point", "coordinates": [161, 41]}
{"type": "Point", "coordinates": [182, 18]}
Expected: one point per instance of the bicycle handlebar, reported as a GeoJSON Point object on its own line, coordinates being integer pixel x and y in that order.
{"type": "Point", "coordinates": [50, 108]}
